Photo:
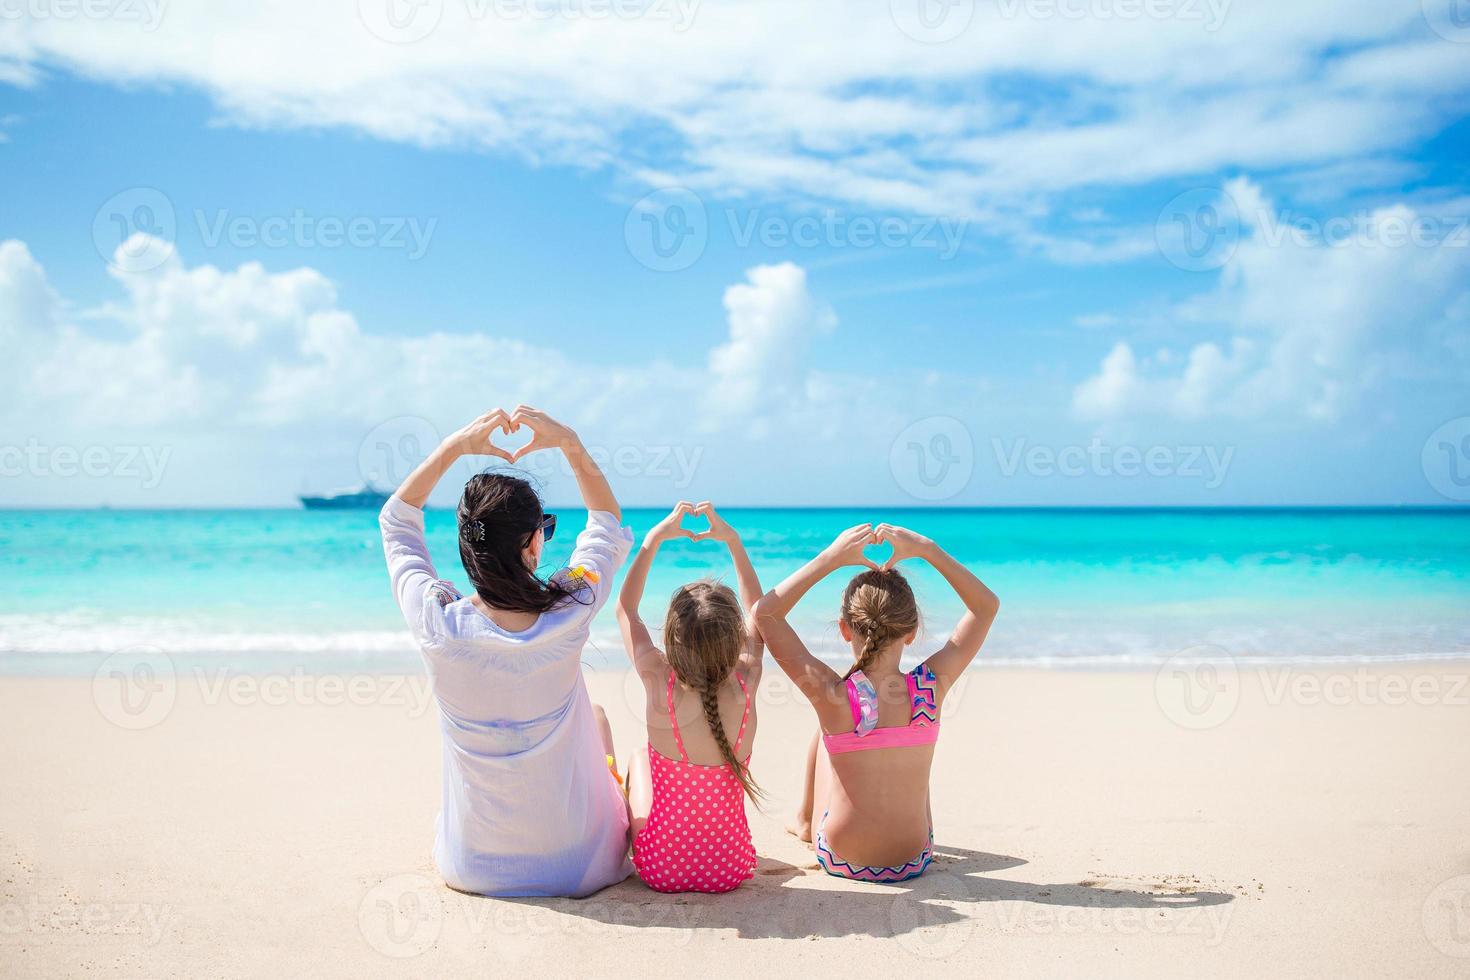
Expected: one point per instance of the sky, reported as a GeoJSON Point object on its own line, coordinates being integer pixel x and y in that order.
{"type": "Point", "coordinates": [880, 252]}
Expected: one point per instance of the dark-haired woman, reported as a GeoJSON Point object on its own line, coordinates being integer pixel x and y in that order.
{"type": "Point", "coordinates": [530, 803]}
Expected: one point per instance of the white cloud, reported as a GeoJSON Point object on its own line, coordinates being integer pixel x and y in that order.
{"type": "Point", "coordinates": [773, 318]}
{"type": "Point", "coordinates": [203, 352]}
{"type": "Point", "coordinates": [1315, 317]}
{"type": "Point", "coordinates": [821, 100]}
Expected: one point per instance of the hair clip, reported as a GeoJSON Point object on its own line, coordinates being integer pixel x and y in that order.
{"type": "Point", "coordinates": [474, 531]}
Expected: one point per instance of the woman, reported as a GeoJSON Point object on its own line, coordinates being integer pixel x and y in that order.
{"type": "Point", "coordinates": [530, 802]}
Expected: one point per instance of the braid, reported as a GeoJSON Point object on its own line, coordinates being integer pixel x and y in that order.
{"type": "Point", "coordinates": [873, 642]}
{"type": "Point", "coordinates": [709, 700]}
{"type": "Point", "coordinates": [878, 606]}
{"type": "Point", "coordinates": [704, 636]}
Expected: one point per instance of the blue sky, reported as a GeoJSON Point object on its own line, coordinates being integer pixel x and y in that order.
{"type": "Point", "coordinates": [1030, 332]}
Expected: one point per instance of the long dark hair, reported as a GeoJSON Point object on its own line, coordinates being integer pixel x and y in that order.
{"type": "Point", "coordinates": [498, 514]}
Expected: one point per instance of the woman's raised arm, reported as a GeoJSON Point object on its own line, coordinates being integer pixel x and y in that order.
{"type": "Point", "coordinates": [547, 433]}
{"type": "Point", "coordinates": [472, 440]}
{"type": "Point", "coordinates": [410, 570]}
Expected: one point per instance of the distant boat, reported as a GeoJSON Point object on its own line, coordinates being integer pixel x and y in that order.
{"type": "Point", "coordinates": [362, 497]}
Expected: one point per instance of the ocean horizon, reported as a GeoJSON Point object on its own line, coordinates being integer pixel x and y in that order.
{"type": "Point", "coordinates": [270, 589]}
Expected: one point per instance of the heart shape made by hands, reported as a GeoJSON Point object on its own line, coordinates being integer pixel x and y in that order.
{"type": "Point", "coordinates": [880, 553]}
{"type": "Point", "coordinates": [519, 440]}
{"type": "Point", "coordinates": [694, 533]}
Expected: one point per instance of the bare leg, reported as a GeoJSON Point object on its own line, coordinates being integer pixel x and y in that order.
{"type": "Point", "coordinates": [801, 826]}
{"type": "Point", "coordinates": [640, 790]}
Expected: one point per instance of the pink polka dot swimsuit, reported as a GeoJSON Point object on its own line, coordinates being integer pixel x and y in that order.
{"type": "Point", "coordinates": [696, 838]}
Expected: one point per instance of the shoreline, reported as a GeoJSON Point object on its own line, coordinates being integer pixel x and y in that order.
{"type": "Point", "coordinates": [75, 666]}
{"type": "Point", "coordinates": [1117, 823]}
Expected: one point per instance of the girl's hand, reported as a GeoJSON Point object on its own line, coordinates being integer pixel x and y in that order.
{"type": "Point", "coordinates": [906, 543]}
{"type": "Point", "coordinates": [847, 549]}
{"type": "Point", "coordinates": [719, 528]}
{"type": "Point", "coordinates": [546, 432]}
{"type": "Point", "coordinates": [668, 528]}
{"type": "Point", "coordinates": [474, 439]}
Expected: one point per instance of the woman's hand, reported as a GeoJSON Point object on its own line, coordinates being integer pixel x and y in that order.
{"type": "Point", "coordinates": [546, 432]}
{"type": "Point", "coordinates": [474, 438]}
{"type": "Point", "coordinates": [669, 528]}
{"type": "Point", "coordinates": [847, 549]}
{"type": "Point", "coordinates": [906, 543]}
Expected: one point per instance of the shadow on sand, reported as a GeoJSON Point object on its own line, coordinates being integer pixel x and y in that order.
{"type": "Point", "coordinates": [780, 902]}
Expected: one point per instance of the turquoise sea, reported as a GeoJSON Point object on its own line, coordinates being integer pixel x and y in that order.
{"type": "Point", "coordinates": [279, 589]}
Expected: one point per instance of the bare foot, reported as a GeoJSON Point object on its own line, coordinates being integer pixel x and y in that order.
{"type": "Point", "coordinates": [800, 829]}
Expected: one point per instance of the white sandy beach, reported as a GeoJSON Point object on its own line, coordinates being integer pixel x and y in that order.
{"type": "Point", "coordinates": [277, 831]}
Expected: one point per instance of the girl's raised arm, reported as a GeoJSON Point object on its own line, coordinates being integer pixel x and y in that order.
{"type": "Point", "coordinates": [636, 639]}
{"type": "Point", "coordinates": [981, 604]}
{"type": "Point", "coordinates": [746, 579]}
{"type": "Point", "coordinates": [822, 685]}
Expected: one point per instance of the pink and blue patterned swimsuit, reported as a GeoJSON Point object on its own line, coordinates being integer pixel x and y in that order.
{"type": "Point", "coordinates": [922, 729]}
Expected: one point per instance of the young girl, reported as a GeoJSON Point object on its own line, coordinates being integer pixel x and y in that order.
{"type": "Point", "coordinates": [529, 806]}
{"type": "Point", "coordinates": [869, 794]}
{"type": "Point", "coordinates": [687, 789]}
